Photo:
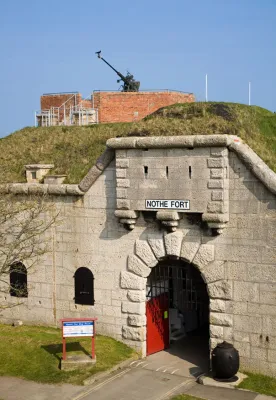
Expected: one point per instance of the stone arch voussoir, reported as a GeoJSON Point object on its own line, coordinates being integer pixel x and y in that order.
{"type": "Point", "coordinates": [147, 255]}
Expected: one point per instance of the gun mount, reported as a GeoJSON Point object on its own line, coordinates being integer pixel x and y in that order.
{"type": "Point", "coordinates": [129, 83]}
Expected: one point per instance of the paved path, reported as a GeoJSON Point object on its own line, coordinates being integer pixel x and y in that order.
{"type": "Point", "coordinates": [128, 384]}
{"type": "Point", "coordinates": [136, 384]}
{"type": "Point", "coordinates": [180, 359]}
{"type": "Point", "coordinates": [19, 389]}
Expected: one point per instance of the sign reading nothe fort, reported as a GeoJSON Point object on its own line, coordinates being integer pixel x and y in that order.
{"type": "Point", "coordinates": [169, 204]}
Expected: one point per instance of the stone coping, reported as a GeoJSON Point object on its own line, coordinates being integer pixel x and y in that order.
{"type": "Point", "coordinates": [39, 166]}
{"type": "Point", "coordinates": [253, 162]}
{"type": "Point", "coordinates": [55, 176]}
{"type": "Point", "coordinates": [164, 142]}
{"type": "Point", "coordinates": [40, 189]}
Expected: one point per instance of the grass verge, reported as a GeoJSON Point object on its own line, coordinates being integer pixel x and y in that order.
{"type": "Point", "coordinates": [34, 353]}
{"type": "Point", "coordinates": [259, 383]}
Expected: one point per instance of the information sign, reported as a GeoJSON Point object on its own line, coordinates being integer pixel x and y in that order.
{"type": "Point", "coordinates": [80, 328]}
{"type": "Point", "coordinates": [168, 204]}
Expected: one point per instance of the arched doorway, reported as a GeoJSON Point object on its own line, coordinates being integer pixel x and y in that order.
{"type": "Point", "coordinates": [177, 307]}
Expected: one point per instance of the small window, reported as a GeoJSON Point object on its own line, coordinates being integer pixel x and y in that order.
{"type": "Point", "coordinates": [146, 171]}
{"type": "Point", "coordinates": [18, 280]}
{"type": "Point", "coordinates": [84, 287]}
{"type": "Point", "coordinates": [33, 174]}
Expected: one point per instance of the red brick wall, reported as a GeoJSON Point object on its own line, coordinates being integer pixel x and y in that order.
{"type": "Point", "coordinates": [56, 100]}
{"type": "Point", "coordinates": [86, 103]}
{"type": "Point", "coordinates": [128, 107]}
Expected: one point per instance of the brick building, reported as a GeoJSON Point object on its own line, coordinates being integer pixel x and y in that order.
{"type": "Point", "coordinates": [105, 107]}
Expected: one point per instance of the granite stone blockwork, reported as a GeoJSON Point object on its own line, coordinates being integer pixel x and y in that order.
{"type": "Point", "coordinates": [200, 175]}
{"type": "Point", "coordinates": [228, 235]}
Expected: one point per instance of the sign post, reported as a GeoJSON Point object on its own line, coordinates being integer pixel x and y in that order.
{"type": "Point", "coordinates": [79, 327]}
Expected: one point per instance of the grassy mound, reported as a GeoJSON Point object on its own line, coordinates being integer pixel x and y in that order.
{"type": "Point", "coordinates": [73, 150]}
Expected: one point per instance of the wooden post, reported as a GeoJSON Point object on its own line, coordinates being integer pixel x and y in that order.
{"type": "Point", "coordinates": [63, 348]}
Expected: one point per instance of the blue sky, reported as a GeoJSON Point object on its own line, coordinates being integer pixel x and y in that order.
{"type": "Point", "coordinates": [49, 46]}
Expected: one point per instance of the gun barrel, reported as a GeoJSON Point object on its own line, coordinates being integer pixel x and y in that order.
{"type": "Point", "coordinates": [115, 70]}
{"type": "Point", "coordinates": [130, 85]}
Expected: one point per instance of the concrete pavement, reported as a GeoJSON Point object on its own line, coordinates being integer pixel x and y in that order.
{"type": "Point", "coordinates": [189, 357]}
{"type": "Point", "coordinates": [19, 389]}
{"type": "Point", "coordinates": [128, 384]}
{"type": "Point", "coordinates": [136, 384]}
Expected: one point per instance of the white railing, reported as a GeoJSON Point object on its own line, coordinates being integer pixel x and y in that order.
{"type": "Point", "coordinates": [66, 114]}
{"type": "Point", "coordinates": [73, 115]}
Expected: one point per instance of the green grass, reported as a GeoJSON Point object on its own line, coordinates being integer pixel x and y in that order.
{"type": "Point", "coordinates": [259, 383]}
{"type": "Point", "coordinates": [255, 382]}
{"type": "Point", "coordinates": [73, 150]}
{"type": "Point", "coordinates": [34, 353]}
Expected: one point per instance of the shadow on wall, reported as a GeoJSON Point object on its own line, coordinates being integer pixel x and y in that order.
{"type": "Point", "coordinates": [244, 180]}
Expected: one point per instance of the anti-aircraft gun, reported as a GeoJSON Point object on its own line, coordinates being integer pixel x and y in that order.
{"type": "Point", "coordinates": [129, 83]}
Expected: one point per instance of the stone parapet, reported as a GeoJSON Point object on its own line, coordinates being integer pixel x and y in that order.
{"type": "Point", "coordinates": [233, 143]}
{"type": "Point", "coordinates": [164, 142]}
{"type": "Point", "coordinates": [194, 168]}
{"type": "Point", "coordinates": [102, 162]}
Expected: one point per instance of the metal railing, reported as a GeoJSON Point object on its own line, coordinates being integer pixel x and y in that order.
{"type": "Point", "coordinates": [144, 90]}
{"type": "Point", "coordinates": [75, 114]}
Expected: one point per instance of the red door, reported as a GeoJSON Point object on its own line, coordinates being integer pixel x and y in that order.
{"type": "Point", "coordinates": [157, 323]}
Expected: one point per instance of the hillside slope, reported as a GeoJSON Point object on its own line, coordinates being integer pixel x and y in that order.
{"type": "Point", "coordinates": [73, 150]}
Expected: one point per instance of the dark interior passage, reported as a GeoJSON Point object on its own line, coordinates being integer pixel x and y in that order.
{"type": "Point", "coordinates": [177, 309]}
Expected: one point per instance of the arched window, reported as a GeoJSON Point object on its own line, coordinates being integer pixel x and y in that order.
{"type": "Point", "coordinates": [84, 286]}
{"type": "Point", "coordinates": [18, 280]}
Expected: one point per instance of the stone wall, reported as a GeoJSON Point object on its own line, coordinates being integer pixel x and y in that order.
{"type": "Point", "coordinates": [200, 175]}
{"type": "Point", "coordinates": [238, 264]}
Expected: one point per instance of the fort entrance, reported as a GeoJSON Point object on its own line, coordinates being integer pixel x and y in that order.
{"type": "Point", "coordinates": [177, 311]}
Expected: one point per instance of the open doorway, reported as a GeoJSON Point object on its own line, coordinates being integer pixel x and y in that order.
{"type": "Point", "coordinates": [178, 312]}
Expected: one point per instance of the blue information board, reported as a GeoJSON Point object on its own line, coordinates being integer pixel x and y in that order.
{"type": "Point", "coordinates": [78, 328]}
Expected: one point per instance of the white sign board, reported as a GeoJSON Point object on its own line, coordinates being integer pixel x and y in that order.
{"type": "Point", "coordinates": [168, 204]}
{"type": "Point", "coordinates": [78, 328]}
